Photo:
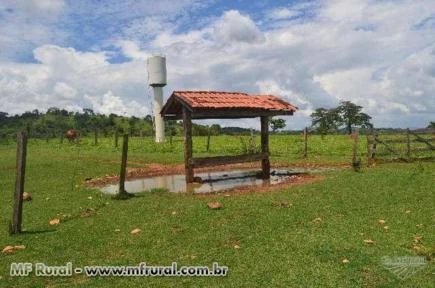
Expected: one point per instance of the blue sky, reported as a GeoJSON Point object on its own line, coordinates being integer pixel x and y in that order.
{"type": "Point", "coordinates": [92, 54]}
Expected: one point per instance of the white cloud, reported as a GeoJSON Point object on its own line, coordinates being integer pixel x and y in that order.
{"type": "Point", "coordinates": [282, 13]}
{"type": "Point", "coordinates": [110, 103]}
{"type": "Point", "coordinates": [235, 27]}
{"type": "Point", "coordinates": [131, 49]}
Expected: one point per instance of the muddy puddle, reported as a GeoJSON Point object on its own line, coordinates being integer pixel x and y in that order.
{"type": "Point", "coordinates": [210, 181]}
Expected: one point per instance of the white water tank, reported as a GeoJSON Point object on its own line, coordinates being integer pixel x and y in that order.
{"type": "Point", "coordinates": [157, 71]}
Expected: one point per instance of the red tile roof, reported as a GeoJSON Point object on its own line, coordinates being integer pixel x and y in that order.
{"type": "Point", "coordinates": [225, 102]}
{"type": "Point", "coordinates": [213, 99]}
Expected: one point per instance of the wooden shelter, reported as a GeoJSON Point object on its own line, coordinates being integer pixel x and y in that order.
{"type": "Point", "coordinates": [188, 105]}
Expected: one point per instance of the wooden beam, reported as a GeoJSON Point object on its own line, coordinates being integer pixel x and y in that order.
{"type": "Point", "coordinates": [305, 142]}
{"type": "Point", "coordinates": [265, 164]}
{"type": "Point", "coordinates": [228, 114]}
{"type": "Point", "coordinates": [390, 149]}
{"type": "Point", "coordinates": [421, 139]}
{"type": "Point", "coordinates": [222, 160]}
{"type": "Point", "coordinates": [188, 161]}
{"type": "Point", "coordinates": [417, 140]}
{"type": "Point", "coordinates": [15, 226]}
{"type": "Point", "coordinates": [123, 165]}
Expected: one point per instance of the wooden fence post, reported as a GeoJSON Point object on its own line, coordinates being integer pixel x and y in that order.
{"type": "Point", "coordinates": [305, 142]}
{"type": "Point", "coordinates": [116, 138]}
{"type": "Point", "coordinates": [408, 144]}
{"type": "Point", "coordinates": [96, 137]}
{"type": "Point", "coordinates": [369, 149]}
{"type": "Point", "coordinates": [15, 226]}
{"type": "Point", "coordinates": [265, 163]}
{"type": "Point", "coordinates": [123, 165]}
{"type": "Point", "coordinates": [356, 162]}
{"type": "Point", "coordinates": [208, 138]}
{"type": "Point", "coordinates": [374, 146]}
{"type": "Point", "coordinates": [188, 161]}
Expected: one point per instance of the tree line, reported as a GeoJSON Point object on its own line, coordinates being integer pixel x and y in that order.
{"type": "Point", "coordinates": [55, 122]}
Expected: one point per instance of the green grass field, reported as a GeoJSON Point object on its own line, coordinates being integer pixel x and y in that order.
{"type": "Point", "coordinates": [263, 245]}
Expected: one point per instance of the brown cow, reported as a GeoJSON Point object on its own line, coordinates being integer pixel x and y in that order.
{"type": "Point", "coordinates": [72, 135]}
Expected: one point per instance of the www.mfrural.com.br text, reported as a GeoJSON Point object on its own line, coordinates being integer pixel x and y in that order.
{"type": "Point", "coordinates": [141, 270]}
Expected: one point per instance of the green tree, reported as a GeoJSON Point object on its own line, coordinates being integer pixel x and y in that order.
{"type": "Point", "coordinates": [431, 125]}
{"type": "Point", "coordinates": [350, 115]}
{"type": "Point", "coordinates": [215, 129]}
{"type": "Point", "coordinates": [325, 120]}
{"type": "Point", "coordinates": [276, 124]}
{"type": "Point", "coordinates": [3, 115]}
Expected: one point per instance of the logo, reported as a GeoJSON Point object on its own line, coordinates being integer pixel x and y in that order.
{"type": "Point", "coordinates": [405, 266]}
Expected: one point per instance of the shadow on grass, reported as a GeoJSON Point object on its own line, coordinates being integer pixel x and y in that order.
{"type": "Point", "coordinates": [35, 231]}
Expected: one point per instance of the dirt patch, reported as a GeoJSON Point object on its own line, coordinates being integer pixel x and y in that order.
{"type": "Point", "coordinates": [155, 169]}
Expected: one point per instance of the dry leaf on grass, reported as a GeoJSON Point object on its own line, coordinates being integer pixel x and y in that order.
{"type": "Point", "coordinates": [27, 196]}
{"type": "Point", "coordinates": [369, 242]}
{"type": "Point", "coordinates": [417, 239]}
{"type": "Point", "coordinates": [386, 228]}
{"type": "Point", "coordinates": [135, 231]}
{"type": "Point", "coordinates": [381, 221]}
{"type": "Point", "coordinates": [215, 205]}
{"type": "Point", "coordinates": [345, 261]}
{"type": "Point", "coordinates": [8, 250]}
{"type": "Point", "coordinates": [54, 221]}
{"type": "Point", "coordinates": [236, 246]}
{"type": "Point", "coordinates": [419, 249]}
{"type": "Point", "coordinates": [408, 211]}
{"type": "Point", "coordinates": [11, 249]}
{"type": "Point", "coordinates": [317, 220]}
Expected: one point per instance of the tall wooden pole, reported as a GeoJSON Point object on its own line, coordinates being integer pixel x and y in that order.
{"type": "Point", "coordinates": [116, 137]}
{"type": "Point", "coordinates": [123, 165]}
{"type": "Point", "coordinates": [15, 226]}
{"type": "Point", "coordinates": [188, 162]}
{"type": "Point", "coordinates": [369, 149]}
{"type": "Point", "coordinates": [208, 138]}
{"type": "Point", "coordinates": [96, 137]}
{"type": "Point", "coordinates": [305, 142]}
{"type": "Point", "coordinates": [355, 160]}
{"type": "Point", "coordinates": [265, 163]}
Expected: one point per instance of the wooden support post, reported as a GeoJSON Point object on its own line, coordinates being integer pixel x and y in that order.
{"type": "Point", "coordinates": [356, 162]}
{"type": "Point", "coordinates": [123, 165]}
{"type": "Point", "coordinates": [305, 142]}
{"type": "Point", "coordinates": [408, 144]}
{"type": "Point", "coordinates": [188, 161]}
{"type": "Point", "coordinates": [369, 149]}
{"type": "Point", "coordinates": [208, 138]}
{"type": "Point", "coordinates": [374, 146]}
{"type": "Point", "coordinates": [61, 137]}
{"type": "Point", "coordinates": [15, 226]}
{"type": "Point", "coordinates": [116, 138]}
{"type": "Point", "coordinates": [265, 163]}
{"type": "Point", "coordinates": [96, 137]}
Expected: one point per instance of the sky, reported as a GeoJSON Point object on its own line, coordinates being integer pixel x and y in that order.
{"type": "Point", "coordinates": [76, 54]}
